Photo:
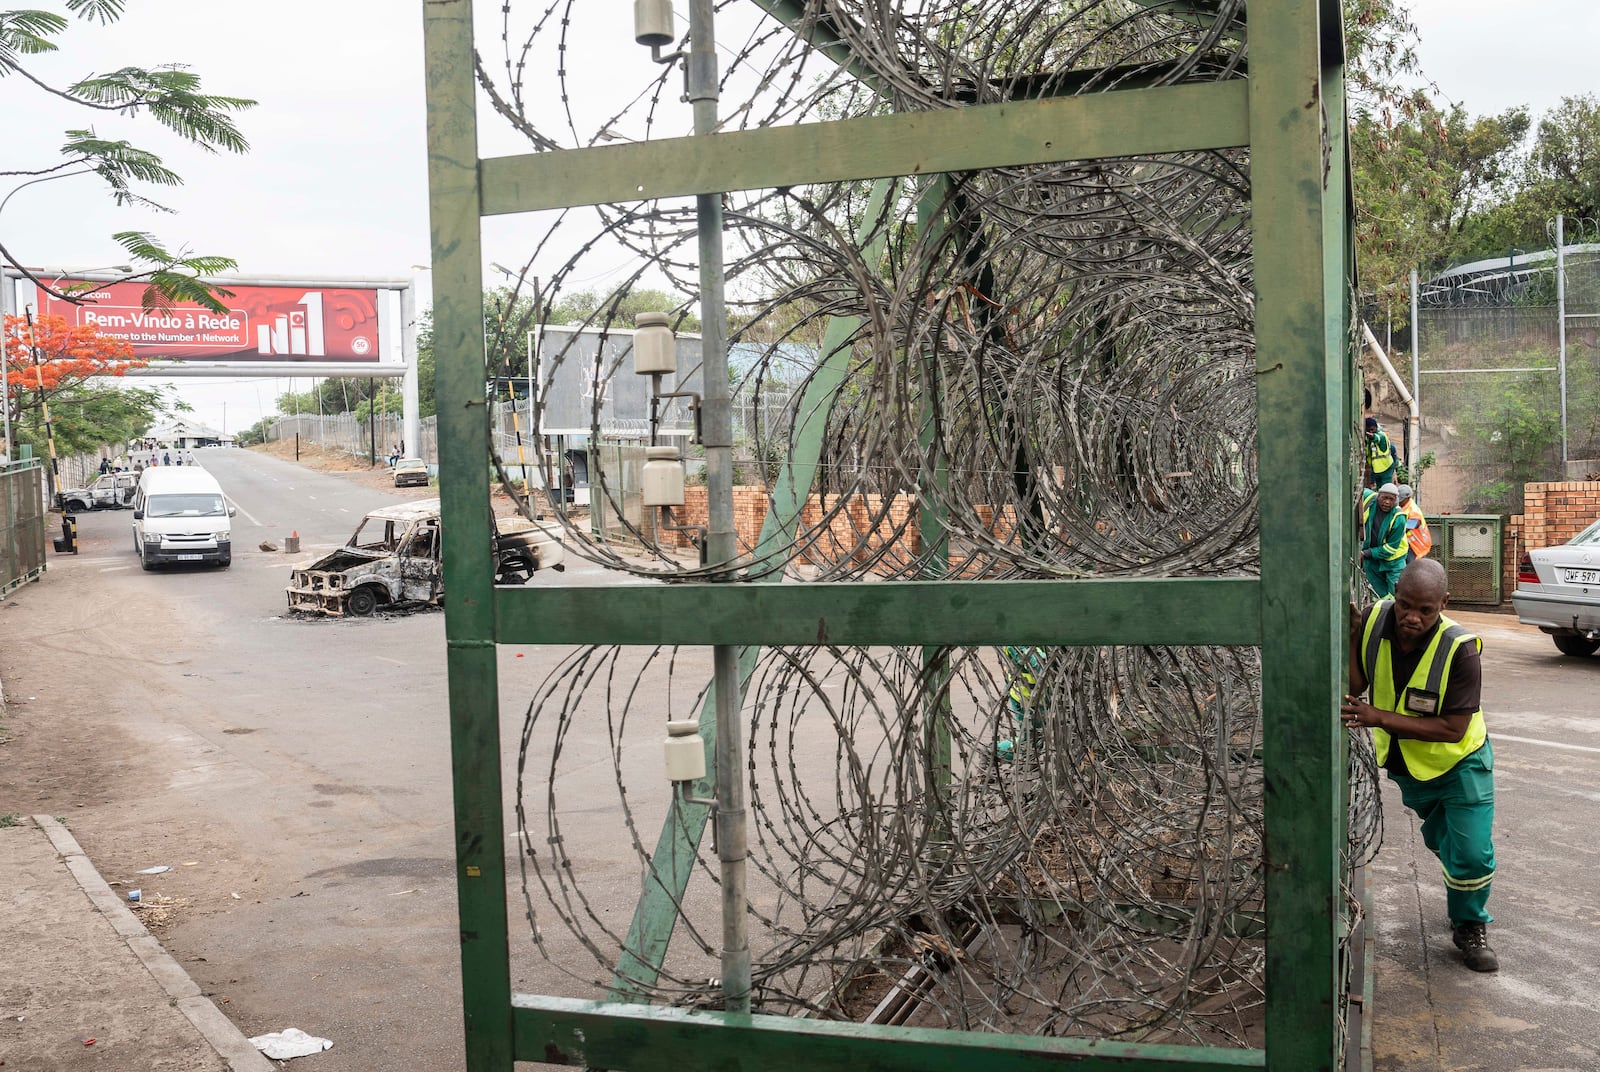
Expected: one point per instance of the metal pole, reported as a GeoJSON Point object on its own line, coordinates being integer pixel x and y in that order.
{"type": "Point", "coordinates": [1416, 394]}
{"type": "Point", "coordinates": [1561, 326]}
{"type": "Point", "coordinates": [410, 398]}
{"type": "Point", "coordinates": [721, 542]}
{"type": "Point", "coordinates": [7, 287]}
{"type": "Point", "coordinates": [527, 484]}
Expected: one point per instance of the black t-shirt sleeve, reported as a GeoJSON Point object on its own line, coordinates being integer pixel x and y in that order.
{"type": "Point", "coordinates": [1463, 693]}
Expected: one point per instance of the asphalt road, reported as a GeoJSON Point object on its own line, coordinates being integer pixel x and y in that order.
{"type": "Point", "coordinates": [295, 774]}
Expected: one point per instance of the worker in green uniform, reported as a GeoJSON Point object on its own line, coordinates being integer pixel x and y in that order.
{"type": "Point", "coordinates": [1426, 717]}
{"type": "Point", "coordinates": [1383, 542]}
{"type": "Point", "coordinates": [1023, 666]}
{"type": "Point", "coordinates": [1380, 454]}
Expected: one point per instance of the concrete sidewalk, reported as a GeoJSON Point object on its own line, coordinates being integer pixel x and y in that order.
{"type": "Point", "coordinates": [77, 965]}
{"type": "Point", "coordinates": [1539, 1012]}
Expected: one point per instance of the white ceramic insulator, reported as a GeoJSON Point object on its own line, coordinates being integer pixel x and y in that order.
{"type": "Point", "coordinates": [655, 347]}
{"type": "Point", "coordinates": [686, 754]}
{"type": "Point", "coordinates": [663, 477]}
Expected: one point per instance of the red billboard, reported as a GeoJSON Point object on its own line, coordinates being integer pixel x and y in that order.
{"type": "Point", "coordinates": [262, 323]}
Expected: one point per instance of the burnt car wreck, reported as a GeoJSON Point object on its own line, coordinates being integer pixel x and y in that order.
{"type": "Point", "coordinates": [393, 561]}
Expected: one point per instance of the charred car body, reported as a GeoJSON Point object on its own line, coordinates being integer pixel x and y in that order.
{"type": "Point", "coordinates": [110, 491]}
{"type": "Point", "coordinates": [393, 559]}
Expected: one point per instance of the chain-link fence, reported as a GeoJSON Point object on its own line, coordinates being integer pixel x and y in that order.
{"type": "Point", "coordinates": [761, 416]}
{"type": "Point", "coordinates": [1489, 354]}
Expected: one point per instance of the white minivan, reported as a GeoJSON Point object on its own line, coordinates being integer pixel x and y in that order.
{"type": "Point", "coordinates": [180, 515]}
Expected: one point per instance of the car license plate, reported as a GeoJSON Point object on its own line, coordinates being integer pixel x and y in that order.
{"type": "Point", "coordinates": [1583, 576]}
{"type": "Point", "coordinates": [188, 558]}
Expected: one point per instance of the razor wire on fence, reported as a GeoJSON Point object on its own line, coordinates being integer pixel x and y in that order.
{"type": "Point", "coordinates": [1055, 380]}
{"type": "Point", "coordinates": [1490, 356]}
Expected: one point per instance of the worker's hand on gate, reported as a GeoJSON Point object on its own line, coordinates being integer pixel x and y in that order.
{"type": "Point", "coordinates": [1358, 622]}
{"type": "Point", "coordinates": [1355, 713]}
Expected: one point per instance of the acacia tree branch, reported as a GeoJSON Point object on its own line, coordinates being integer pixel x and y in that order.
{"type": "Point", "coordinates": [73, 296]}
{"type": "Point", "coordinates": [65, 95]}
{"type": "Point", "coordinates": [45, 173]}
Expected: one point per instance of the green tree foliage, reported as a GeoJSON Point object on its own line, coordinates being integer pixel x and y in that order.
{"type": "Point", "coordinates": [1423, 185]}
{"type": "Point", "coordinates": [171, 95]}
{"type": "Point", "coordinates": [592, 309]}
{"type": "Point", "coordinates": [90, 414]}
{"type": "Point", "coordinates": [1564, 165]}
{"type": "Point", "coordinates": [256, 433]}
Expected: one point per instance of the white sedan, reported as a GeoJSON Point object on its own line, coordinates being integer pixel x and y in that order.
{"type": "Point", "coordinates": [1558, 590]}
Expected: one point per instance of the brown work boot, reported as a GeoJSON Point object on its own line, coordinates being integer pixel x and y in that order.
{"type": "Point", "coordinates": [1473, 941]}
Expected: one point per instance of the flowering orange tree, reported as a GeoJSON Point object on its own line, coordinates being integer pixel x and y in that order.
{"type": "Point", "coordinates": [70, 358]}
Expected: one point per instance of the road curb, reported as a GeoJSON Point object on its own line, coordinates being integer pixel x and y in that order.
{"type": "Point", "coordinates": [220, 1032]}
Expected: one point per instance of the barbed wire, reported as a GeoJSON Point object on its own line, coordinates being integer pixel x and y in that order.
{"type": "Point", "coordinates": [1029, 372]}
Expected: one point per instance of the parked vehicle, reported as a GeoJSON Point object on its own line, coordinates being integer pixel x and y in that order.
{"type": "Point", "coordinates": [181, 515]}
{"type": "Point", "coordinates": [393, 559]}
{"type": "Point", "coordinates": [1558, 590]}
{"type": "Point", "coordinates": [410, 471]}
{"type": "Point", "coordinates": [109, 491]}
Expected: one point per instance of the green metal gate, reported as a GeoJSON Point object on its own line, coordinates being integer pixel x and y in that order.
{"type": "Point", "coordinates": [22, 524]}
{"type": "Point", "coordinates": [1290, 113]}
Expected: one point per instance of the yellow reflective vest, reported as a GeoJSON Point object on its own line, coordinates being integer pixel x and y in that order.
{"type": "Point", "coordinates": [1025, 664]}
{"type": "Point", "coordinates": [1423, 694]}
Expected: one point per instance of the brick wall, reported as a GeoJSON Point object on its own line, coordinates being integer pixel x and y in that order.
{"type": "Point", "coordinates": [749, 510]}
{"type": "Point", "coordinates": [1553, 512]}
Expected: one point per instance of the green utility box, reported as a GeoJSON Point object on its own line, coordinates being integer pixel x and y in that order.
{"type": "Point", "coordinates": [1469, 548]}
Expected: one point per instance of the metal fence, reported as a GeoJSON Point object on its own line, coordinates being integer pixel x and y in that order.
{"type": "Point", "coordinates": [762, 415]}
{"type": "Point", "coordinates": [1491, 385]}
{"type": "Point", "coordinates": [22, 523]}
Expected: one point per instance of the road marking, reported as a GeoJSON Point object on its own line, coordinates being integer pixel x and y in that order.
{"type": "Point", "coordinates": [385, 658]}
{"type": "Point", "coordinates": [1547, 744]}
{"type": "Point", "coordinates": [243, 511]}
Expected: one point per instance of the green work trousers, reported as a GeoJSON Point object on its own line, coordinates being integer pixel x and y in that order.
{"type": "Point", "coordinates": [1457, 813]}
{"type": "Point", "coordinates": [1383, 576]}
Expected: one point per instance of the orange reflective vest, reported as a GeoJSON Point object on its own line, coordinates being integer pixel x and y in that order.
{"type": "Point", "coordinates": [1418, 537]}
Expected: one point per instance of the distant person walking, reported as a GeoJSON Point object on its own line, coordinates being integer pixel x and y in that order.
{"type": "Point", "coordinates": [166, 458]}
{"type": "Point", "coordinates": [188, 457]}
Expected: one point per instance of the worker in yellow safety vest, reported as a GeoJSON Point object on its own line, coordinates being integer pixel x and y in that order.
{"type": "Point", "coordinates": [1024, 664]}
{"type": "Point", "coordinates": [1425, 712]}
{"type": "Point", "coordinates": [1383, 542]}
{"type": "Point", "coordinates": [1380, 454]}
{"type": "Point", "coordinates": [1419, 538]}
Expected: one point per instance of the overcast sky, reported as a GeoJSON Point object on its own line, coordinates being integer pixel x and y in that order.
{"type": "Point", "coordinates": [336, 181]}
